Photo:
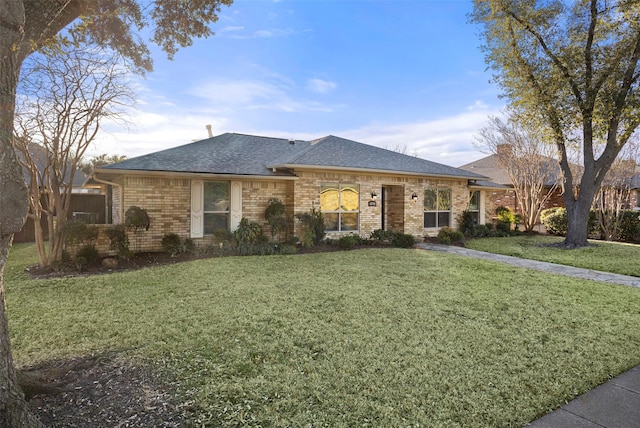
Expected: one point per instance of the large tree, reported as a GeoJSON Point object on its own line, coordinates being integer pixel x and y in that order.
{"type": "Point", "coordinates": [63, 97]}
{"type": "Point", "coordinates": [571, 67]}
{"type": "Point", "coordinates": [27, 25]}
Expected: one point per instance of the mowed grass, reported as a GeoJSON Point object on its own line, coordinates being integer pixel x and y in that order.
{"type": "Point", "coordinates": [378, 337]}
{"type": "Point", "coordinates": [604, 256]}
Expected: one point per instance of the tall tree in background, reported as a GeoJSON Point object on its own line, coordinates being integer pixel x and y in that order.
{"type": "Point", "coordinates": [27, 25]}
{"type": "Point", "coordinates": [63, 98]}
{"type": "Point", "coordinates": [528, 160]}
{"type": "Point", "coordinates": [569, 65]}
{"type": "Point", "coordinates": [87, 166]}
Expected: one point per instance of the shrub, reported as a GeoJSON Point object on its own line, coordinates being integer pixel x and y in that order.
{"type": "Point", "coordinates": [275, 216]}
{"type": "Point", "coordinates": [449, 236]}
{"type": "Point", "coordinates": [630, 226]}
{"type": "Point", "coordinates": [503, 226]}
{"type": "Point", "coordinates": [172, 244]}
{"type": "Point", "coordinates": [86, 256]}
{"type": "Point", "coordinates": [76, 232]}
{"type": "Point", "coordinates": [189, 245]}
{"type": "Point", "coordinates": [466, 223]}
{"type": "Point", "coordinates": [554, 220]}
{"type": "Point", "coordinates": [403, 240]}
{"type": "Point", "coordinates": [136, 218]}
{"type": "Point", "coordinates": [504, 214]}
{"type": "Point", "coordinates": [313, 227]}
{"type": "Point", "coordinates": [382, 235]}
{"type": "Point", "coordinates": [348, 241]}
{"type": "Point", "coordinates": [119, 242]}
{"type": "Point", "coordinates": [247, 232]}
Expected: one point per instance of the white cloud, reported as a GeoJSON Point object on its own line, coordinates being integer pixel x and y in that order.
{"type": "Point", "coordinates": [320, 86]}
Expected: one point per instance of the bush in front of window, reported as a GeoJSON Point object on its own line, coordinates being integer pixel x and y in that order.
{"type": "Point", "coordinates": [86, 256]}
{"type": "Point", "coordinates": [313, 228]}
{"type": "Point", "coordinates": [466, 222]}
{"type": "Point", "coordinates": [347, 242]}
{"type": "Point", "coordinates": [448, 236]}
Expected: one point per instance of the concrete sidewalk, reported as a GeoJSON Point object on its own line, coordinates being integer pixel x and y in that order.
{"type": "Point", "coordinates": [614, 404]}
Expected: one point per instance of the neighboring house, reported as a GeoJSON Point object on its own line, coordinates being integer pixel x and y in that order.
{"type": "Point", "coordinates": [490, 166]}
{"type": "Point", "coordinates": [197, 188]}
{"type": "Point", "coordinates": [87, 202]}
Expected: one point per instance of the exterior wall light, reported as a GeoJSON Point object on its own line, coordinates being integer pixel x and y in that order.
{"type": "Point", "coordinates": [414, 197]}
{"type": "Point", "coordinates": [374, 196]}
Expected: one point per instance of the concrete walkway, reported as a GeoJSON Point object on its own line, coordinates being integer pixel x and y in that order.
{"type": "Point", "coordinates": [614, 404]}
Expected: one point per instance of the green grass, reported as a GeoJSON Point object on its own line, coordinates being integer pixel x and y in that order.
{"type": "Point", "coordinates": [604, 256]}
{"type": "Point", "coordinates": [378, 337]}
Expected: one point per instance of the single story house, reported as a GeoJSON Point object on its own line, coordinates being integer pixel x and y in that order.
{"type": "Point", "coordinates": [194, 189]}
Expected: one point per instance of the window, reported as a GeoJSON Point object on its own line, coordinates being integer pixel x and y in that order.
{"type": "Point", "coordinates": [437, 207]}
{"type": "Point", "coordinates": [474, 206]}
{"type": "Point", "coordinates": [339, 204]}
{"type": "Point", "coordinates": [216, 206]}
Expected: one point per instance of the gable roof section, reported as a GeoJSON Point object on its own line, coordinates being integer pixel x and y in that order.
{"type": "Point", "coordinates": [334, 152]}
{"type": "Point", "coordinates": [239, 154]}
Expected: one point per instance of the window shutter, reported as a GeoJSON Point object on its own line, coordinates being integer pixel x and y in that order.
{"type": "Point", "coordinates": [197, 208]}
{"type": "Point", "coordinates": [236, 204]}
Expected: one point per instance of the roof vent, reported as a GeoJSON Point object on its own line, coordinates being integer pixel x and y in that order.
{"type": "Point", "coordinates": [209, 130]}
{"type": "Point", "coordinates": [292, 141]}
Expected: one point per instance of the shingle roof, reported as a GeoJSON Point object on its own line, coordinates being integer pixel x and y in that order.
{"type": "Point", "coordinates": [490, 166]}
{"type": "Point", "coordinates": [241, 154]}
{"type": "Point", "coordinates": [332, 151]}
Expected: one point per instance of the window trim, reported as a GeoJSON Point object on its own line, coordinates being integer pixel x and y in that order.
{"type": "Point", "coordinates": [340, 211]}
{"type": "Point", "coordinates": [437, 211]}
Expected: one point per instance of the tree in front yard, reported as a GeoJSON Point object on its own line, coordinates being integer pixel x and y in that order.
{"type": "Point", "coordinates": [28, 25]}
{"type": "Point", "coordinates": [64, 97]}
{"type": "Point", "coordinates": [573, 68]}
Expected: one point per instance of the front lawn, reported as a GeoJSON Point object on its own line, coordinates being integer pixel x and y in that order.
{"type": "Point", "coordinates": [379, 337]}
{"type": "Point", "coordinates": [615, 257]}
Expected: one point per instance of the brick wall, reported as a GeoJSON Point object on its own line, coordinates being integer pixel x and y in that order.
{"type": "Point", "coordinates": [398, 190]}
{"type": "Point", "coordinates": [167, 201]}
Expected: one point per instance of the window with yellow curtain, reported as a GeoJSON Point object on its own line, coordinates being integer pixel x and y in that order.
{"type": "Point", "coordinates": [340, 206]}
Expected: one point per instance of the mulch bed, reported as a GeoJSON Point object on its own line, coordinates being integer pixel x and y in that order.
{"type": "Point", "coordinates": [103, 391]}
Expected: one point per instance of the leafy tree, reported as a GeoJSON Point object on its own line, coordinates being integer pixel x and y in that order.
{"type": "Point", "coordinates": [63, 98]}
{"type": "Point", "coordinates": [528, 161]}
{"type": "Point", "coordinates": [86, 166]}
{"type": "Point", "coordinates": [571, 67]}
{"type": "Point", "coordinates": [28, 25]}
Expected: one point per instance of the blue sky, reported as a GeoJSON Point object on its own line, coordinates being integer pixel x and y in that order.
{"type": "Point", "coordinates": [404, 74]}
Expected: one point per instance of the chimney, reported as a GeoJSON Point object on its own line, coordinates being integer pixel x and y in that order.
{"type": "Point", "coordinates": [209, 130]}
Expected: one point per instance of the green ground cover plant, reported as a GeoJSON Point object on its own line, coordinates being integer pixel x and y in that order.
{"type": "Point", "coordinates": [604, 256]}
{"type": "Point", "coordinates": [376, 337]}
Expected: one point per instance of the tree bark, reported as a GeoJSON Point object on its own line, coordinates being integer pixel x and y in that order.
{"type": "Point", "coordinates": [13, 206]}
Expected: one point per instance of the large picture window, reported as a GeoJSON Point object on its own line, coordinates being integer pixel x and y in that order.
{"type": "Point", "coordinates": [437, 207]}
{"type": "Point", "coordinates": [216, 206]}
{"type": "Point", "coordinates": [340, 205]}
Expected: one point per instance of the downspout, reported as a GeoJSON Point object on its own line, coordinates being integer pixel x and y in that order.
{"type": "Point", "coordinates": [111, 183]}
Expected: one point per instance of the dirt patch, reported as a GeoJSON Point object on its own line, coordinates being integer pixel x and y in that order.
{"type": "Point", "coordinates": [104, 391]}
